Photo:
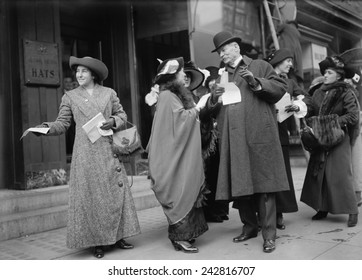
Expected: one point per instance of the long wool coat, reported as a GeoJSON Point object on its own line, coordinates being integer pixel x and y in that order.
{"type": "Point", "coordinates": [285, 200]}
{"type": "Point", "coordinates": [251, 159]}
{"type": "Point", "coordinates": [328, 184]}
{"type": "Point", "coordinates": [101, 208]}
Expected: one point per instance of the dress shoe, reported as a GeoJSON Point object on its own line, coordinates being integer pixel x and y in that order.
{"type": "Point", "coordinates": [98, 252]}
{"type": "Point", "coordinates": [352, 220]}
{"type": "Point", "coordinates": [184, 246]}
{"type": "Point", "coordinates": [122, 244]}
{"type": "Point", "coordinates": [243, 237]}
{"type": "Point", "coordinates": [214, 219]}
{"type": "Point", "coordinates": [269, 246]}
{"type": "Point", "coordinates": [320, 215]}
{"type": "Point", "coordinates": [224, 217]}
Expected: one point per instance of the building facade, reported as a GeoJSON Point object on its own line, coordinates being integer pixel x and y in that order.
{"type": "Point", "coordinates": [37, 37]}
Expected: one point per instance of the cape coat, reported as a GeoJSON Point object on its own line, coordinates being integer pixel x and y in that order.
{"type": "Point", "coordinates": [101, 208]}
{"type": "Point", "coordinates": [175, 156]}
{"type": "Point", "coordinates": [251, 159]}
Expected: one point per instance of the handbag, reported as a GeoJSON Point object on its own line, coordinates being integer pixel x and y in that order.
{"type": "Point", "coordinates": [127, 141]}
{"type": "Point", "coordinates": [309, 141]}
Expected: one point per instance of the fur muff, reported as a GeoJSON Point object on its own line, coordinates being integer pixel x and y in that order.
{"type": "Point", "coordinates": [327, 130]}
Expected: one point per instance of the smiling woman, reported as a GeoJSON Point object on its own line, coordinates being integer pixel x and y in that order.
{"type": "Point", "coordinates": [101, 208]}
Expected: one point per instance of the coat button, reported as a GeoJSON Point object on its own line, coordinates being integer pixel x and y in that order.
{"type": "Point", "coordinates": [119, 169]}
{"type": "Point", "coordinates": [115, 155]}
{"type": "Point", "coordinates": [120, 184]}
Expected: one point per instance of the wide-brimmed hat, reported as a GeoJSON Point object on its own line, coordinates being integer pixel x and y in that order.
{"type": "Point", "coordinates": [224, 37]}
{"type": "Point", "coordinates": [196, 76]}
{"type": "Point", "coordinates": [278, 56]}
{"type": "Point", "coordinates": [97, 66]}
{"type": "Point", "coordinates": [168, 67]}
{"type": "Point", "coordinates": [336, 63]}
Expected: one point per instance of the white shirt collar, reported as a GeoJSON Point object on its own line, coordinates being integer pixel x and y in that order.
{"type": "Point", "coordinates": [237, 61]}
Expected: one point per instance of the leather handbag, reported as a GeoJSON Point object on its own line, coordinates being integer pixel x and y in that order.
{"type": "Point", "coordinates": [127, 141]}
{"type": "Point", "coordinates": [309, 141]}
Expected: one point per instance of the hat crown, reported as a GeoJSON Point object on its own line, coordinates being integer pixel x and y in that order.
{"type": "Point", "coordinates": [224, 37]}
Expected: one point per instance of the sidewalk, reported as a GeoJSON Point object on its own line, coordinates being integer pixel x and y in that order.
{"type": "Point", "coordinates": [303, 239]}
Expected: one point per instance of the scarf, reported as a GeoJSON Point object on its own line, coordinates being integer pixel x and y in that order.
{"type": "Point", "coordinates": [335, 91]}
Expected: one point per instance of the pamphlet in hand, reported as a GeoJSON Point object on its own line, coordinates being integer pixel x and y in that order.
{"type": "Point", "coordinates": [231, 95]}
{"type": "Point", "coordinates": [42, 130]}
{"type": "Point", "coordinates": [93, 130]}
{"type": "Point", "coordinates": [282, 115]}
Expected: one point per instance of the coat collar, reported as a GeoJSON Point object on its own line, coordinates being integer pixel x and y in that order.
{"type": "Point", "coordinates": [90, 105]}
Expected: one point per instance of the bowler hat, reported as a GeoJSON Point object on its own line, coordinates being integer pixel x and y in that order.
{"type": "Point", "coordinates": [278, 56]}
{"type": "Point", "coordinates": [95, 65]}
{"type": "Point", "coordinates": [197, 77]}
{"type": "Point", "coordinates": [224, 37]}
{"type": "Point", "coordinates": [336, 63]}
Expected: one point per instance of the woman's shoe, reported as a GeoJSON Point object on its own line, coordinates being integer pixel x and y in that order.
{"type": "Point", "coordinates": [98, 252]}
{"type": "Point", "coordinates": [122, 244]}
{"type": "Point", "coordinates": [184, 246]}
{"type": "Point", "coordinates": [320, 215]}
{"type": "Point", "coordinates": [280, 221]}
{"type": "Point", "coordinates": [352, 220]}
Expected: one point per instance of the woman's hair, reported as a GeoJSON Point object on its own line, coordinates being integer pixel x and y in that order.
{"type": "Point", "coordinates": [96, 78]}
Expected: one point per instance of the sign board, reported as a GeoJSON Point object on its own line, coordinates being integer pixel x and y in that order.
{"type": "Point", "coordinates": [319, 53]}
{"type": "Point", "coordinates": [41, 63]}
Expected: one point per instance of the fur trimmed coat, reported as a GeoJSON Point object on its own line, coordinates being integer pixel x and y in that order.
{"type": "Point", "coordinates": [101, 208]}
{"type": "Point", "coordinates": [328, 184]}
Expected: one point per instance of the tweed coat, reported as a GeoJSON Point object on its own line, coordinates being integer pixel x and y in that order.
{"type": "Point", "coordinates": [101, 208]}
{"type": "Point", "coordinates": [251, 159]}
{"type": "Point", "coordinates": [328, 184]}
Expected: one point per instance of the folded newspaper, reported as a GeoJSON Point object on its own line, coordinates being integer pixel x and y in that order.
{"type": "Point", "coordinates": [93, 130]}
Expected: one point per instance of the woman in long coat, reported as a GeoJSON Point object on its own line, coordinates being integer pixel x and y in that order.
{"type": "Point", "coordinates": [175, 157]}
{"type": "Point", "coordinates": [328, 185]}
{"type": "Point", "coordinates": [101, 208]}
{"type": "Point", "coordinates": [282, 61]}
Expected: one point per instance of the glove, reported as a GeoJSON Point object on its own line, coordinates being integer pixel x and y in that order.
{"type": "Point", "coordinates": [248, 77]}
{"type": "Point", "coordinates": [292, 108]}
{"type": "Point", "coordinates": [108, 124]}
{"type": "Point", "coordinates": [216, 93]}
{"type": "Point", "coordinates": [39, 126]}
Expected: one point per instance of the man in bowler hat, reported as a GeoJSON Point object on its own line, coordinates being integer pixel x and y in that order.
{"type": "Point", "coordinates": [251, 166]}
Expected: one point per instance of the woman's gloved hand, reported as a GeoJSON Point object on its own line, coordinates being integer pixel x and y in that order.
{"type": "Point", "coordinates": [292, 108]}
{"type": "Point", "coordinates": [108, 124]}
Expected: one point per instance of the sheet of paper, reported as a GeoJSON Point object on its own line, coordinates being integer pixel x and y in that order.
{"type": "Point", "coordinates": [91, 127]}
{"type": "Point", "coordinates": [231, 95]}
{"type": "Point", "coordinates": [42, 130]}
{"type": "Point", "coordinates": [282, 115]}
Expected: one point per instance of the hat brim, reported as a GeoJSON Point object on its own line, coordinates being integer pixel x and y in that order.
{"type": "Point", "coordinates": [232, 39]}
{"type": "Point", "coordinates": [197, 77]}
{"type": "Point", "coordinates": [97, 66]}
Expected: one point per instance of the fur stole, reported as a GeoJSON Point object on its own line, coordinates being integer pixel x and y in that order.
{"type": "Point", "coordinates": [181, 92]}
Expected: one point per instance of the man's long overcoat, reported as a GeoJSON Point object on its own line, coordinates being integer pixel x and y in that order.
{"type": "Point", "coordinates": [251, 159]}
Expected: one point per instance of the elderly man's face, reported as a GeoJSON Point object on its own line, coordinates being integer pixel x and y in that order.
{"type": "Point", "coordinates": [229, 53]}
